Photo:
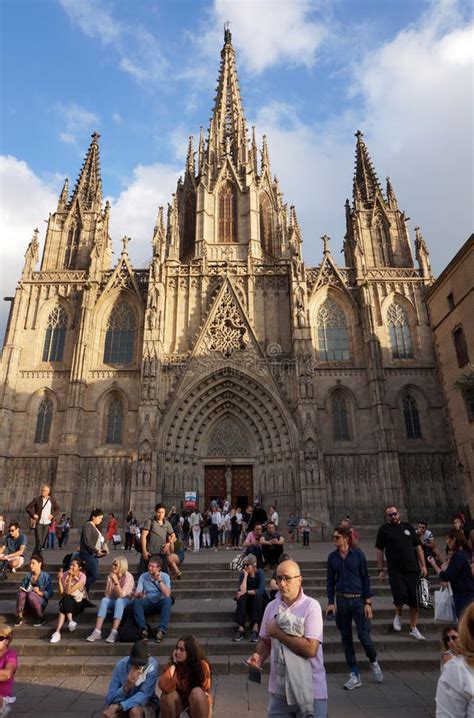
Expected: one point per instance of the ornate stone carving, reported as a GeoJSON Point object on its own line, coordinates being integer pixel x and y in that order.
{"type": "Point", "coordinates": [228, 439]}
{"type": "Point", "coordinates": [227, 331]}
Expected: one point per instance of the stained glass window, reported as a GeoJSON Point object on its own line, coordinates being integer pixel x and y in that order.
{"type": "Point", "coordinates": [333, 337]}
{"type": "Point", "coordinates": [340, 420]}
{"type": "Point", "coordinates": [120, 335]}
{"type": "Point", "coordinates": [53, 347]}
{"type": "Point", "coordinates": [412, 418]}
{"type": "Point", "coordinates": [114, 421]}
{"type": "Point", "coordinates": [399, 329]}
{"type": "Point", "coordinates": [43, 421]}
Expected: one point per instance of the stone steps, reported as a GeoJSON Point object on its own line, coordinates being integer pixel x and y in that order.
{"type": "Point", "coordinates": [96, 665]}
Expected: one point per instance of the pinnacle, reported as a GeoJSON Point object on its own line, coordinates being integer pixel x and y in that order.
{"type": "Point", "coordinates": [88, 189]}
{"type": "Point", "coordinates": [366, 183]}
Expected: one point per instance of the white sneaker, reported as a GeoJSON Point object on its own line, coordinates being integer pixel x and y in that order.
{"type": "Point", "coordinates": [95, 635]}
{"type": "Point", "coordinates": [55, 638]}
{"type": "Point", "coordinates": [378, 675]}
{"type": "Point", "coordinates": [414, 633]}
{"type": "Point", "coordinates": [397, 623]}
{"type": "Point", "coordinates": [353, 682]}
{"type": "Point", "coordinates": [72, 625]}
{"type": "Point", "coordinates": [112, 637]}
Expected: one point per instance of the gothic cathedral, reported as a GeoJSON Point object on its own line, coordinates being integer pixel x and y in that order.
{"type": "Point", "coordinates": [227, 367]}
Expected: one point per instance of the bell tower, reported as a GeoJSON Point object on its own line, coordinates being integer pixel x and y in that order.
{"type": "Point", "coordinates": [79, 227]}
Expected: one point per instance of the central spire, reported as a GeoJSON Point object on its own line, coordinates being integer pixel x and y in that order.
{"type": "Point", "coordinates": [228, 129]}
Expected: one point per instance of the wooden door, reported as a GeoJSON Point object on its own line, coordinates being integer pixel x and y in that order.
{"type": "Point", "coordinates": [214, 484]}
{"type": "Point", "coordinates": [242, 486]}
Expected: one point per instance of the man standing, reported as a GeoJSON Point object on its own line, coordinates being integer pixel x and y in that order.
{"type": "Point", "coordinates": [156, 533]}
{"type": "Point", "coordinates": [405, 560]}
{"type": "Point", "coordinates": [195, 521]}
{"type": "Point", "coordinates": [348, 580]}
{"type": "Point", "coordinates": [216, 520]}
{"type": "Point", "coordinates": [292, 630]}
{"type": "Point", "coordinates": [42, 510]}
{"type": "Point", "coordinates": [272, 545]}
{"type": "Point", "coordinates": [153, 595]}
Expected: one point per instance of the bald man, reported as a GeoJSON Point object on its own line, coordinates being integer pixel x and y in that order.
{"type": "Point", "coordinates": [42, 509]}
{"type": "Point", "coordinates": [292, 600]}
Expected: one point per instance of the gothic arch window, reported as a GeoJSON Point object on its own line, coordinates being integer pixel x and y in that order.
{"type": "Point", "coordinates": [399, 329]}
{"type": "Point", "coordinates": [227, 213]}
{"type": "Point", "coordinates": [333, 337]}
{"type": "Point", "coordinates": [340, 417]}
{"type": "Point", "coordinates": [114, 421]}
{"type": "Point", "coordinates": [44, 418]}
{"type": "Point", "coordinates": [189, 229]}
{"type": "Point", "coordinates": [412, 417]}
{"type": "Point", "coordinates": [53, 347]}
{"type": "Point", "coordinates": [72, 245]}
{"type": "Point", "coordinates": [382, 242]}
{"type": "Point", "coordinates": [120, 335]}
{"type": "Point", "coordinates": [266, 237]}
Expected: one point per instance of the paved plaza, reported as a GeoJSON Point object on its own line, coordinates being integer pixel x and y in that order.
{"type": "Point", "coordinates": [402, 693]}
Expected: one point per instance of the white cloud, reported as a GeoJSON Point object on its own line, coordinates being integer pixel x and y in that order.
{"type": "Point", "coordinates": [25, 201]}
{"type": "Point", "coordinates": [414, 101]}
{"type": "Point", "coordinates": [134, 211]}
{"type": "Point", "coordinates": [137, 50]}
{"type": "Point", "coordinates": [268, 32]}
{"type": "Point", "coordinates": [76, 119]}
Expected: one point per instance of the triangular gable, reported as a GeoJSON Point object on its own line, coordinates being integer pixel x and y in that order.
{"type": "Point", "coordinates": [379, 206]}
{"type": "Point", "coordinates": [123, 278]}
{"type": "Point", "coordinates": [228, 167]}
{"type": "Point", "coordinates": [328, 275]}
{"type": "Point", "coordinates": [226, 329]}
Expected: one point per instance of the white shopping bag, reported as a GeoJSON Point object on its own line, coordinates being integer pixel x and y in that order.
{"type": "Point", "coordinates": [444, 606]}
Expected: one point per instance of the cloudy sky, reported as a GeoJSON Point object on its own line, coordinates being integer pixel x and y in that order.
{"type": "Point", "coordinates": [312, 72]}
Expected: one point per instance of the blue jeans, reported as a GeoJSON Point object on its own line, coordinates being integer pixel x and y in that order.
{"type": "Point", "coordinates": [117, 604]}
{"type": "Point", "coordinates": [162, 605]}
{"type": "Point", "coordinates": [348, 609]}
{"type": "Point", "coordinates": [92, 568]}
{"type": "Point", "coordinates": [279, 708]}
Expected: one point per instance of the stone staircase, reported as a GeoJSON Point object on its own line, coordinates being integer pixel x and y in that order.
{"type": "Point", "coordinates": [204, 607]}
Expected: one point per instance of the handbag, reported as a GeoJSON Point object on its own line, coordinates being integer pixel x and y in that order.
{"type": "Point", "coordinates": [423, 593]}
{"type": "Point", "coordinates": [116, 539]}
{"type": "Point", "coordinates": [237, 562]}
{"type": "Point", "coordinates": [444, 606]}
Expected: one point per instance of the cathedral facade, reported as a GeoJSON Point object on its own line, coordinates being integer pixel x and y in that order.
{"type": "Point", "coordinates": [227, 367]}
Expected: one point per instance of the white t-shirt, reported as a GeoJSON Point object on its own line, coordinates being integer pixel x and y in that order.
{"type": "Point", "coordinates": [45, 512]}
{"type": "Point", "coordinates": [195, 520]}
{"type": "Point", "coordinates": [275, 518]}
{"type": "Point", "coordinates": [426, 536]}
{"type": "Point", "coordinates": [455, 691]}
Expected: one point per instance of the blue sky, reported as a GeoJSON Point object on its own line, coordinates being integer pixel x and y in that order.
{"type": "Point", "coordinates": [311, 73]}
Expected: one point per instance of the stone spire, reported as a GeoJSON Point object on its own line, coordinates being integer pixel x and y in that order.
{"type": "Point", "coordinates": [228, 129]}
{"type": "Point", "coordinates": [265, 155]}
{"type": "Point", "coordinates": [190, 162]}
{"type": "Point", "coordinates": [422, 254]}
{"type": "Point", "coordinates": [63, 197]}
{"type": "Point", "coordinates": [391, 197]}
{"type": "Point", "coordinates": [366, 183]}
{"type": "Point", "coordinates": [88, 189]}
{"type": "Point", "coordinates": [201, 151]}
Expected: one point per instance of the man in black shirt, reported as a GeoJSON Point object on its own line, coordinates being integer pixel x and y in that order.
{"type": "Point", "coordinates": [405, 560]}
{"type": "Point", "coordinates": [272, 545]}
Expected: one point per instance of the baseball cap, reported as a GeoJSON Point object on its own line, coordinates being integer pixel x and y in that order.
{"type": "Point", "coordinates": [140, 653]}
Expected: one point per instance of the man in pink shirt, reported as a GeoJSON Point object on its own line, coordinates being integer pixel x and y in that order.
{"type": "Point", "coordinates": [292, 605]}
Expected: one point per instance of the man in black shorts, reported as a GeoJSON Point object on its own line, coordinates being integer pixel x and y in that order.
{"type": "Point", "coordinates": [405, 560]}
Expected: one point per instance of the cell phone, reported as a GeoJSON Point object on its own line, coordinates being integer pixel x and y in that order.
{"type": "Point", "coordinates": [254, 673]}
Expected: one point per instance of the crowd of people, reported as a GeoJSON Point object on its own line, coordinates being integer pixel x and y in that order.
{"type": "Point", "coordinates": [284, 623]}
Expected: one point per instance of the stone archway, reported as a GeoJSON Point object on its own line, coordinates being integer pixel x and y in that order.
{"type": "Point", "coordinates": [236, 408]}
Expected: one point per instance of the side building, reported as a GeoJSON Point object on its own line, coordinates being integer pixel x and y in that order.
{"type": "Point", "coordinates": [227, 366]}
{"type": "Point", "coordinates": [450, 302]}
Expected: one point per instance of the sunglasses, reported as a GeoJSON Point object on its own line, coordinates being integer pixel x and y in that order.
{"type": "Point", "coordinates": [392, 513]}
{"type": "Point", "coordinates": [3, 638]}
{"type": "Point", "coordinates": [452, 638]}
{"type": "Point", "coordinates": [286, 579]}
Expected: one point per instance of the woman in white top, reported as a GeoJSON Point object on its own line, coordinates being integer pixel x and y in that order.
{"type": "Point", "coordinates": [455, 691]}
{"type": "Point", "coordinates": [274, 515]}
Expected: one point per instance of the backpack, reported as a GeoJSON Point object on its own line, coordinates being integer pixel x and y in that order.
{"type": "Point", "coordinates": [186, 525]}
{"type": "Point", "coordinates": [129, 631]}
